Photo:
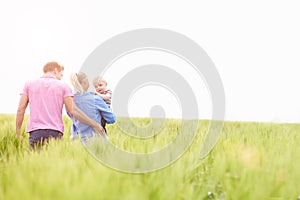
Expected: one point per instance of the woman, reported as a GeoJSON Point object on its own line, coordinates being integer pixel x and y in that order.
{"type": "Point", "coordinates": [92, 105]}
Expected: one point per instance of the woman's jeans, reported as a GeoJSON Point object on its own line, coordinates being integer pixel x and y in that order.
{"type": "Point", "coordinates": [87, 136]}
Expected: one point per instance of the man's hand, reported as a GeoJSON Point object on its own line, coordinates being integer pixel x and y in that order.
{"type": "Point", "coordinates": [18, 135]}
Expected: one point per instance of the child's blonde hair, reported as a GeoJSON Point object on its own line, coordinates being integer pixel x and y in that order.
{"type": "Point", "coordinates": [99, 79]}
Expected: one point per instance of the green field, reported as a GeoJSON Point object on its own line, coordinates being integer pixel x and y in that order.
{"type": "Point", "coordinates": [255, 161]}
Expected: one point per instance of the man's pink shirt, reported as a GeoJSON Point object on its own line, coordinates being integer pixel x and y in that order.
{"type": "Point", "coordinates": [46, 99]}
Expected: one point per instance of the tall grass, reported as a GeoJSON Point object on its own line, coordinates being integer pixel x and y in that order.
{"type": "Point", "coordinates": [250, 161]}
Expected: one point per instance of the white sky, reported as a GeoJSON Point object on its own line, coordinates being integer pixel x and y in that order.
{"type": "Point", "coordinates": [255, 46]}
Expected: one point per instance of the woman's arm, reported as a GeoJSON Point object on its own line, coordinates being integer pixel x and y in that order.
{"type": "Point", "coordinates": [105, 111]}
{"type": "Point", "coordinates": [81, 116]}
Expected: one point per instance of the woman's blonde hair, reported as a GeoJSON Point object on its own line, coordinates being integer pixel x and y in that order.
{"type": "Point", "coordinates": [76, 81]}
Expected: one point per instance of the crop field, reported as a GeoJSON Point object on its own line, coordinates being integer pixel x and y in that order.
{"type": "Point", "coordinates": [251, 161]}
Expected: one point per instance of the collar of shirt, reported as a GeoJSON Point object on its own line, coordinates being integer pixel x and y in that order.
{"type": "Point", "coordinates": [84, 93]}
{"type": "Point", "coordinates": [48, 76]}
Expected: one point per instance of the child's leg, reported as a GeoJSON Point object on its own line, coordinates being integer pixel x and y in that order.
{"type": "Point", "coordinates": [103, 124]}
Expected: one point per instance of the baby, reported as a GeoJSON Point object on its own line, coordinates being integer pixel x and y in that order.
{"type": "Point", "coordinates": [101, 90]}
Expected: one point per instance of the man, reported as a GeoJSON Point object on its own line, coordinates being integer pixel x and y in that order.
{"type": "Point", "coordinates": [46, 97]}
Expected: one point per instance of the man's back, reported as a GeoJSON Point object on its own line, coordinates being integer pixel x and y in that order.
{"type": "Point", "coordinates": [46, 100]}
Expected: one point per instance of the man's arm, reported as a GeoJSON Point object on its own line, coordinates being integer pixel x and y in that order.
{"type": "Point", "coordinates": [23, 103]}
{"type": "Point", "coordinates": [81, 116]}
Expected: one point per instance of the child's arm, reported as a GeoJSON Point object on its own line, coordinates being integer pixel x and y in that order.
{"type": "Point", "coordinates": [106, 96]}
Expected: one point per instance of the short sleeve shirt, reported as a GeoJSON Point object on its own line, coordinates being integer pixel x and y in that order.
{"type": "Point", "coordinates": [46, 99]}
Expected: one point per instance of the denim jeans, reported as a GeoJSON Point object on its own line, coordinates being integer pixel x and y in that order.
{"type": "Point", "coordinates": [39, 137]}
{"type": "Point", "coordinates": [87, 136]}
